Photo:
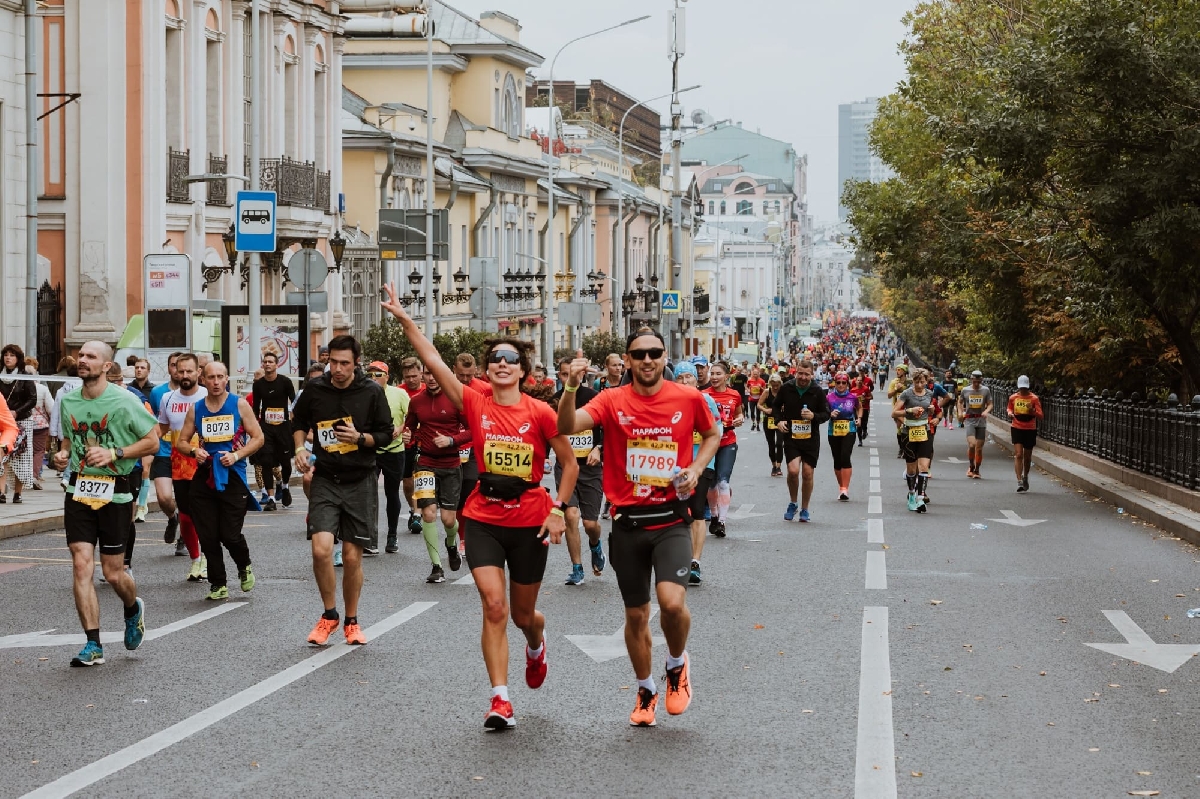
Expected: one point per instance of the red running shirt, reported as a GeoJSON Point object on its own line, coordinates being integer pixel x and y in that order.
{"type": "Point", "coordinates": [755, 386]}
{"type": "Point", "coordinates": [645, 438]}
{"type": "Point", "coordinates": [728, 403]}
{"type": "Point", "coordinates": [510, 440]}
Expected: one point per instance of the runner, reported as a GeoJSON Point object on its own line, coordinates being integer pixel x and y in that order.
{"type": "Point", "coordinates": [863, 388]}
{"type": "Point", "coordinates": [274, 395]}
{"type": "Point", "coordinates": [649, 473]}
{"type": "Point", "coordinates": [412, 384]}
{"type": "Point", "coordinates": [899, 383]}
{"type": "Point", "coordinates": [171, 412]}
{"type": "Point", "coordinates": [614, 370]}
{"type": "Point", "coordinates": [389, 460]}
{"type": "Point", "coordinates": [436, 424]}
{"type": "Point", "coordinates": [915, 410]}
{"type": "Point", "coordinates": [349, 418]}
{"type": "Point", "coordinates": [974, 405]}
{"type": "Point", "coordinates": [755, 386]}
{"type": "Point", "coordinates": [729, 402]}
{"type": "Point", "coordinates": [766, 406]}
{"type": "Point", "coordinates": [950, 386]}
{"type": "Point", "coordinates": [1025, 410]}
{"type": "Point", "coordinates": [105, 431]}
{"type": "Point", "coordinates": [799, 410]}
{"type": "Point", "coordinates": [160, 467]}
{"type": "Point", "coordinates": [466, 370]}
{"type": "Point", "coordinates": [229, 433]}
{"type": "Point", "coordinates": [845, 419]}
{"type": "Point", "coordinates": [510, 514]}
{"type": "Point", "coordinates": [685, 375]}
{"type": "Point", "coordinates": [588, 495]}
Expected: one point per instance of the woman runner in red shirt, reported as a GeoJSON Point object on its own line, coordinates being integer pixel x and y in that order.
{"type": "Point", "coordinates": [512, 517]}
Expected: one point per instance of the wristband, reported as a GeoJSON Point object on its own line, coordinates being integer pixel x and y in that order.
{"type": "Point", "coordinates": [301, 451]}
{"type": "Point", "coordinates": [570, 390]}
{"type": "Point", "coordinates": [112, 453]}
{"type": "Point", "coordinates": [558, 512]}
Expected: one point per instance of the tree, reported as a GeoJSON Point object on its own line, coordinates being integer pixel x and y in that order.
{"type": "Point", "coordinates": [596, 347]}
{"type": "Point", "coordinates": [386, 342]}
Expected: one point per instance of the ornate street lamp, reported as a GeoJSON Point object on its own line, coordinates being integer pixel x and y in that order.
{"type": "Point", "coordinates": [337, 245]}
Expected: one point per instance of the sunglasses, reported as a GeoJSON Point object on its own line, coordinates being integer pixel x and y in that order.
{"type": "Point", "coordinates": [504, 356]}
{"type": "Point", "coordinates": [376, 374]}
{"type": "Point", "coordinates": [640, 355]}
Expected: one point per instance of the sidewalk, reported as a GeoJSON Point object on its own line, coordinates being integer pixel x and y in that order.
{"type": "Point", "coordinates": [1170, 507]}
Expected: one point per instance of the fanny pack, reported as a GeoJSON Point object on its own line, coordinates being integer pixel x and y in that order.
{"type": "Point", "coordinates": [503, 486]}
{"type": "Point", "coordinates": [642, 516]}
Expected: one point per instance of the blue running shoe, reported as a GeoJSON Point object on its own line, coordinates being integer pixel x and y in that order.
{"type": "Point", "coordinates": [790, 513]}
{"type": "Point", "coordinates": [337, 558]}
{"type": "Point", "coordinates": [576, 577]}
{"type": "Point", "coordinates": [912, 501]}
{"type": "Point", "coordinates": [598, 559]}
{"type": "Point", "coordinates": [92, 654]}
{"type": "Point", "coordinates": [694, 577]}
{"type": "Point", "coordinates": [804, 515]}
{"type": "Point", "coordinates": [135, 626]}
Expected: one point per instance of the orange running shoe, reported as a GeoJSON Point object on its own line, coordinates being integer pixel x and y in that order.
{"type": "Point", "coordinates": [500, 717]}
{"type": "Point", "coordinates": [322, 631]}
{"type": "Point", "coordinates": [643, 711]}
{"type": "Point", "coordinates": [354, 633]}
{"type": "Point", "coordinates": [535, 668]}
{"type": "Point", "coordinates": [679, 687]}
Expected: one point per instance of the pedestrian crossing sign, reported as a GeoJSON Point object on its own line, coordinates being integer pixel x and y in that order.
{"type": "Point", "coordinates": [670, 302]}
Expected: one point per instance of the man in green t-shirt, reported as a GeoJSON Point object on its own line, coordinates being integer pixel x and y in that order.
{"type": "Point", "coordinates": [105, 431]}
{"type": "Point", "coordinates": [389, 460]}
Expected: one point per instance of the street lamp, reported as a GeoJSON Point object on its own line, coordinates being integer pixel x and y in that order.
{"type": "Point", "coordinates": [337, 245]}
{"type": "Point", "coordinates": [548, 338]}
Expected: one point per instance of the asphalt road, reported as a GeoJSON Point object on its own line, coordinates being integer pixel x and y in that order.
{"type": "Point", "coordinates": [872, 653]}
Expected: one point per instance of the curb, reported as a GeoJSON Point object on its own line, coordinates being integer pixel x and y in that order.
{"type": "Point", "coordinates": [1173, 518]}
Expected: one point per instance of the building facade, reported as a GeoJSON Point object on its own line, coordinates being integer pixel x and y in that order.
{"type": "Point", "coordinates": [13, 159]}
{"type": "Point", "coordinates": [855, 159]}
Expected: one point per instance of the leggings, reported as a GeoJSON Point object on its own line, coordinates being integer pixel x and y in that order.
{"type": "Point", "coordinates": [862, 426]}
{"type": "Point", "coordinates": [774, 442]}
{"type": "Point", "coordinates": [754, 412]}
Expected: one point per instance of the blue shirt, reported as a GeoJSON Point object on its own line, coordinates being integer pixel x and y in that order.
{"type": "Point", "coordinates": [160, 391]}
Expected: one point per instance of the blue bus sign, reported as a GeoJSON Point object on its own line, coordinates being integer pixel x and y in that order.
{"type": "Point", "coordinates": [254, 215]}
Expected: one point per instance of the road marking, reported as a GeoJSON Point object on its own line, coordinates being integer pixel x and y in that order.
{"type": "Point", "coordinates": [875, 759]}
{"type": "Point", "coordinates": [39, 560]}
{"type": "Point", "coordinates": [874, 504]}
{"type": "Point", "coordinates": [42, 638]}
{"type": "Point", "coordinates": [468, 580]}
{"type": "Point", "coordinates": [877, 571]}
{"type": "Point", "coordinates": [743, 512]}
{"type": "Point", "coordinates": [952, 460]}
{"type": "Point", "coordinates": [875, 489]}
{"type": "Point", "coordinates": [147, 747]}
{"type": "Point", "coordinates": [874, 452]}
{"type": "Point", "coordinates": [874, 531]}
{"type": "Point", "coordinates": [603, 648]}
{"type": "Point", "coordinates": [1142, 648]}
{"type": "Point", "coordinates": [874, 469]}
{"type": "Point", "coordinates": [1011, 517]}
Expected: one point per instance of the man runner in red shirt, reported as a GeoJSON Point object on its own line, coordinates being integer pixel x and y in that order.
{"type": "Point", "coordinates": [649, 473]}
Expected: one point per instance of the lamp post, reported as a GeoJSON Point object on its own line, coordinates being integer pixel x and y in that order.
{"type": "Point", "coordinates": [548, 339]}
{"type": "Point", "coordinates": [620, 270]}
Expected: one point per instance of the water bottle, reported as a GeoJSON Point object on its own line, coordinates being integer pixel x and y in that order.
{"type": "Point", "coordinates": [677, 480]}
{"type": "Point", "coordinates": [1194, 613]}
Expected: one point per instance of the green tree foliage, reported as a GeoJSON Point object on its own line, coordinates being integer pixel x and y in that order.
{"type": "Point", "coordinates": [386, 342]}
{"type": "Point", "coordinates": [1047, 200]}
{"type": "Point", "coordinates": [595, 346]}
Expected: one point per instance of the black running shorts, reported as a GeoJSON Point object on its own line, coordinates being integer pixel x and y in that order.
{"type": "Point", "coordinates": [634, 552]}
{"type": "Point", "coordinates": [1026, 438]}
{"type": "Point", "coordinates": [518, 547]}
{"type": "Point", "coordinates": [108, 526]}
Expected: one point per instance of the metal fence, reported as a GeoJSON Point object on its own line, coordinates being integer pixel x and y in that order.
{"type": "Point", "coordinates": [1161, 439]}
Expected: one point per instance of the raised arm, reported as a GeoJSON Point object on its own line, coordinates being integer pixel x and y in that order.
{"type": "Point", "coordinates": [425, 349]}
{"type": "Point", "coordinates": [571, 421]}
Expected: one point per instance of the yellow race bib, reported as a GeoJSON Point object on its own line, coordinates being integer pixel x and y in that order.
{"type": "Point", "coordinates": [801, 429]}
{"type": "Point", "coordinates": [217, 429]}
{"type": "Point", "coordinates": [1022, 405]}
{"type": "Point", "coordinates": [273, 416]}
{"type": "Point", "coordinates": [509, 458]}
{"type": "Point", "coordinates": [918, 434]}
{"type": "Point", "coordinates": [95, 492]}
{"type": "Point", "coordinates": [975, 403]}
{"type": "Point", "coordinates": [651, 462]}
{"type": "Point", "coordinates": [327, 439]}
{"type": "Point", "coordinates": [424, 485]}
{"type": "Point", "coordinates": [464, 455]}
{"type": "Point", "coordinates": [581, 443]}
{"type": "Point", "coordinates": [770, 422]}
{"type": "Point", "coordinates": [841, 427]}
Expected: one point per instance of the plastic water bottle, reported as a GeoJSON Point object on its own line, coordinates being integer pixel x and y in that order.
{"type": "Point", "coordinates": [1194, 613]}
{"type": "Point", "coordinates": [977, 526]}
{"type": "Point", "coordinates": [677, 480]}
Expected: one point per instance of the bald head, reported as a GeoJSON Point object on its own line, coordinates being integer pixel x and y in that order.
{"type": "Point", "coordinates": [94, 360]}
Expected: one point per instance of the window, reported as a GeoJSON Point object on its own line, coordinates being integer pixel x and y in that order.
{"type": "Point", "coordinates": [722, 207]}
{"type": "Point", "coordinates": [710, 208]}
{"type": "Point", "coordinates": [212, 96]}
{"type": "Point", "coordinates": [247, 46]}
{"type": "Point", "coordinates": [744, 188]}
{"type": "Point", "coordinates": [766, 207]}
{"type": "Point", "coordinates": [360, 284]}
{"type": "Point", "coordinates": [511, 113]}
{"type": "Point", "coordinates": [321, 103]}
{"type": "Point", "coordinates": [583, 98]}
{"type": "Point", "coordinates": [744, 208]}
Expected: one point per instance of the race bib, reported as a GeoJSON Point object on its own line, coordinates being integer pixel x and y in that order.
{"type": "Point", "coordinates": [328, 439]}
{"type": "Point", "coordinates": [508, 458]}
{"type": "Point", "coordinates": [801, 429]}
{"type": "Point", "coordinates": [424, 485]}
{"type": "Point", "coordinates": [1022, 405]}
{"type": "Point", "coordinates": [217, 429]}
{"type": "Point", "coordinates": [581, 443]}
{"type": "Point", "coordinates": [650, 462]}
{"type": "Point", "coordinates": [696, 437]}
{"type": "Point", "coordinates": [95, 492]}
{"type": "Point", "coordinates": [273, 415]}
{"type": "Point", "coordinates": [918, 434]}
{"type": "Point", "coordinates": [754, 392]}
{"type": "Point", "coordinates": [841, 427]}
{"type": "Point", "coordinates": [975, 403]}
{"type": "Point", "coordinates": [770, 422]}
{"type": "Point", "coordinates": [464, 455]}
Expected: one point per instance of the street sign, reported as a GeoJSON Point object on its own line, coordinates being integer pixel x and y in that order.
{"type": "Point", "coordinates": [317, 301]}
{"type": "Point", "coordinates": [402, 234]}
{"type": "Point", "coordinates": [484, 303]}
{"type": "Point", "coordinates": [670, 302]}
{"type": "Point", "coordinates": [307, 269]}
{"type": "Point", "coordinates": [255, 216]}
{"type": "Point", "coordinates": [167, 289]}
{"type": "Point", "coordinates": [578, 314]}
{"type": "Point", "coordinates": [483, 272]}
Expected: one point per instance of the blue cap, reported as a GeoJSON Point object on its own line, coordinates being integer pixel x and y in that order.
{"type": "Point", "coordinates": [699, 360]}
{"type": "Point", "coordinates": [685, 368]}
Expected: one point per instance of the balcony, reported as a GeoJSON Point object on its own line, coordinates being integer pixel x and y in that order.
{"type": "Point", "coordinates": [295, 183]}
{"type": "Point", "coordinates": [177, 172]}
{"type": "Point", "coordinates": [218, 190]}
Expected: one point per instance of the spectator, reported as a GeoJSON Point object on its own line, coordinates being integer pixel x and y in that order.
{"type": "Point", "coordinates": [21, 396]}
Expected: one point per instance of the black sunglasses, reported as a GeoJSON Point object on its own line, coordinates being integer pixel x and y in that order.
{"type": "Point", "coordinates": [640, 355]}
{"type": "Point", "coordinates": [504, 356]}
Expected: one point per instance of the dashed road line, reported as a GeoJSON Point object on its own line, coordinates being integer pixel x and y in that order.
{"type": "Point", "coordinates": [874, 504]}
{"type": "Point", "coordinates": [875, 531]}
{"type": "Point", "coordinates": [877, 571]}
{"type": "Point", "coordinates": [875, 758]}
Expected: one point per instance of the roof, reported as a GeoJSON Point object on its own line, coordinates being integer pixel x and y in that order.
{"type": "Point", "coordinates": [456, 28]}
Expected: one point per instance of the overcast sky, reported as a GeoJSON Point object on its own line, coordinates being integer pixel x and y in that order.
{"type": "Point", "coordinates": [781, 66]}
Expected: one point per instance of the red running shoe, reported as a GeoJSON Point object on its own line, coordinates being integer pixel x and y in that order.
{"type": "Point", "coordinates": [535, 668]}
{"type": "Point", "coordinates": [500, 717]}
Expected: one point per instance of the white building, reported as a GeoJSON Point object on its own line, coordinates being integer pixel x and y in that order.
{"type": "Point", "coordinates": [855, 159]}
{"type": "Point", "coordinates": [835, 286]}
{"type": "Point", "coordinates": [12, 174]}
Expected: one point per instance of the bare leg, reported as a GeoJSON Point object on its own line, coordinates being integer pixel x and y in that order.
{"type": "Point", "coordinates": [675, 618]}
{"type": "Point", "coordinates": [793, 478]}
{"type": "Point", "coordinates": [322, 555]}
{"type": "Point", "coordinates": [489, 581]}
{"type": "Point", "coordinates": [352, 576]}
{"type": "Point", "coordinates": [698, 537]}
{"type": "Point", "coordinates": [523, 601]}
{"type": "Point", "coordinates": [807, 488]}
{"type": "Point", "coordinates": [573, 545]}
{"type": "Point", "coordinates": [638, 641]}
{"type": "Point", "coordinates": [83, 570]}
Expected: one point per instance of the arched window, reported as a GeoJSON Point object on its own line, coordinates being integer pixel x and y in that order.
{"type": "Point", "coordinates": [744, 208]}
{"type": "Point", "coordinates": [722, 207]}
{"type": "Point", "coordinates": [743, 188]}
{"type": "Point", "coordinates": [510, 108]}
{"type": "Point", "coordinates": [710, 208]}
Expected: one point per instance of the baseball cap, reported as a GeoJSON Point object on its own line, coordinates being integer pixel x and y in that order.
{"type": "Point", "coordinates": [323, 350]}
{"type": "Point", "coordinates": [977, 373]}
{"type": "Point", "coordinates": [685, 368]}
{"type": "Point", "coordinates": [699, 360]}
{"type": "Point", "coordinates": [1023, 381]}
{"type": "Point", "coordinates": [378, 366]}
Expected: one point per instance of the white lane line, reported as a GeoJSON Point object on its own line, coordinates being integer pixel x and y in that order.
{"type": "Point", "coordinates": [875, 489]}
{"type": "Point", "coordinates": [874, 460]}
{"type": "Point", "coordinates": [877, 571]}
{"type": "Point", "coordinates": [107, 766]}
{"type": "Point", "coordinates": [874, 531]}
{"type": "Point", "coordinates": [875, 759]}
{"type": "Point", "coordinates": [874, 452]}
{"type": "Point", "coordinates": [874, 504]}
{"type": "Point", "coordinates": [874, 471]}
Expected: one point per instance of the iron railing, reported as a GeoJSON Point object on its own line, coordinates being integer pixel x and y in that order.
{"type": "Point", "coordinates": [1147, 435]}
{"type": "Point", "coordinates": [177, 171]}
{"type": "Point", "coordinates": [49, 330]}
{"type": "Point", "coordinates": [297, 183]}
{"type": "Point", "coordinates": [218, 190]}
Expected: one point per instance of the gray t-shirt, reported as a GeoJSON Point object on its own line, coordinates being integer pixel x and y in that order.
{"type": "Point", "coordinates": [912, 400]}
{"type": "Point", "coordinates": [974, 401]}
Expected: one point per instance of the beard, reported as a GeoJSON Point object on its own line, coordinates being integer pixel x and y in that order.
{"type": "Point", "coordinates": [653, 380]}
{"type": "Point", "coordinates": [186, 384]}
